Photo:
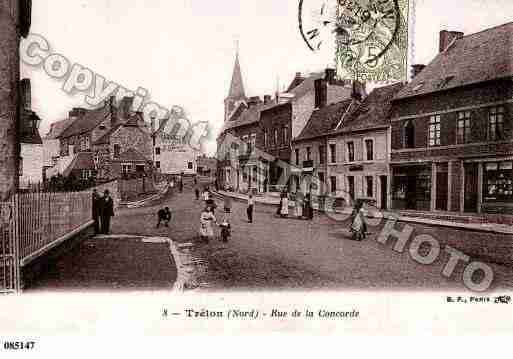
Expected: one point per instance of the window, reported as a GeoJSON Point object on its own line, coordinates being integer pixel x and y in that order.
{"type": "Point", "coordinates": [157, 164]}
{"type": "Point", "coordinates": [285, 135]}
{"type": "Point", "coordinates": [350, 182]}
{"type": "Point", "coordinates": [333, 153]}
{"type": "Point", "coordinates": [125, 168]}
{"type": "Point", "coordinates": [333, 184]}
{"type": "Point", "coordinates": [369, 148]}
{"type": "Point", "coordinates": [252, 143]}
{"type": "Point", "coordinates": [498, 182]}
{"type": "Point", "coordinates": [463, 129]}
{"type": "Point", "coordinates": [496, 123]}
{"type": "Point", "coordinates": [308, 153]}
{"type": "Point", "coordinates": [265, 139]}
{"type": "Point", "coordinates": [275, 138]}
{"type": "Point", "coordinates": [434, 130]}
{"type": "Point", "coordinates": [297, 156]}
{"type": "Point", "coordinates": [409, 135]}
{"type": "Point", "coordinates": [86, 174]}
{"type": "Point", "coordinates": [117, 150]}
{"type": "Point", "coordinates": [157, 150]}
{"type": "Point", "coordinates": [370, 186]}
{"type": "Point", "coordinates": [350, 151]}
{"type": "Point", "coordinates": [189, 165]}
{"type": "Point", "coordinates": [322, 155]}
{"type": "Point", "coordinates": [84, 144]}
{"type": "Point", "coordinates": [245, 143]}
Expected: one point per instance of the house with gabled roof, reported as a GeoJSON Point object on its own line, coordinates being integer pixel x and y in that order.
{"type": "Point", "coordinates": [452, 139]}
{"type": "Point", "coordinates": [95, 140]}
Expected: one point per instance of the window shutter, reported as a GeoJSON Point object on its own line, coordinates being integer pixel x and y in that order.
{"type": "Point", "coordinates": [25, 17]}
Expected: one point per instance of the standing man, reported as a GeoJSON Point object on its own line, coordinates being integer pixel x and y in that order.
{"type": "Point", "coordinates": [249, 211]}
{"type": "Point", "coordinates": [96, 210]}
{"type": "Point", "coordinates": [107, 211]}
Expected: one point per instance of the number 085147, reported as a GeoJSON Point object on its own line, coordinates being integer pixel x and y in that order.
{"type": "Point", "coordinates": [14, 345]}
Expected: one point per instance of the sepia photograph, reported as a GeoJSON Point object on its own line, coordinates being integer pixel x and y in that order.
{"type": "Point", "coordinates": [199, 166]}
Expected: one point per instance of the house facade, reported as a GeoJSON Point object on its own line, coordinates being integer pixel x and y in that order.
{"type": "Point", "coordinates": [452, 143]}
{"type": "Point", "coordinates": [105, 143]}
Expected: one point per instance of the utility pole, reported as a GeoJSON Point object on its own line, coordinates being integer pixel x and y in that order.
{"type": "Point", "coordinates": [14, 23]}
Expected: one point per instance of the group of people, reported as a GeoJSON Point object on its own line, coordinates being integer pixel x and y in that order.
{"type": "Point", "coordinates": [208, 219]}
{"type": "Point", "coordinates": [102, 211]}
{"type": "Point", "coordinates": [303, 206]}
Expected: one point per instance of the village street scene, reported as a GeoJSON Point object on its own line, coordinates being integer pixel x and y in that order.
{"type": "Point", "coordinates": [317, 182]}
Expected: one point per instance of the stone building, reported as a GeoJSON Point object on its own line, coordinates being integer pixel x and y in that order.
{"type": "Point", "coordinates": [105, 143]}
{"type": "Point", "coordinates": [452, 141]}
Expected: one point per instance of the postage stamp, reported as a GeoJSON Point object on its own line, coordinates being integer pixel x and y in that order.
{"type": "Point", "coordinates": [370, 37]}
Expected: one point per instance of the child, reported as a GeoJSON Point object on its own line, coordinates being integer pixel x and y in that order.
{"type": "Point", "coordinates": [225, 229]}
{"type": "Point", "coordinates": [164, 215]}
{"type": "Point", "coordinates": [207, 221]}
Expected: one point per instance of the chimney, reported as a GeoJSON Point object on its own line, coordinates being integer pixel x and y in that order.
{"type": "Point", "coordinates": [112, 110]}
{"type": "Point", "coordinates": [447, 37]}
{"type": "Point", "coordinates": [125, 107]}
{"type": "Point", "coordinates": [25, 93]}
{"type": "Point", "coordinates": [267, 99]}
{"type": "Point", "coordinates": [321, 93]}
{"type": "Point", "coordinates": [416, 69]}
{"type": "Point", "coordinates": [357, 91]}
{"type": "Point", "coordinates": [330, 75]}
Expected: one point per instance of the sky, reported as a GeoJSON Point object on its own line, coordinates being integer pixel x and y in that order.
{"type": "Point", "coordinates": [182, 51]}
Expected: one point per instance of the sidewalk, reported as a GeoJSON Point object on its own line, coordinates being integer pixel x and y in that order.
{"type": "Point", "coordinates": [400, 216]}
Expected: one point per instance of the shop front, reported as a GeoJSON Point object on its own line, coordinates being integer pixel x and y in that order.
{"type": "Point", "coordinates": [411, 187]}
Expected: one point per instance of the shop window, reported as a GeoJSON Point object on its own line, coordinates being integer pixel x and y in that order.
{"type": "Point", "coordinates": [434, 130]}
{"type": "Point", "coordinates": [498, 181]}
{"type": "Point", "coordinates": [463, 130]}
{"type": "Point", "coordinates": [496, 123]}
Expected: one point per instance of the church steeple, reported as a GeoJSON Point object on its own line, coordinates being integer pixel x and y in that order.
{"type": "Point", "coordinates": [237, 86]}
{"type": "Point", "coordinates": [236, 92]}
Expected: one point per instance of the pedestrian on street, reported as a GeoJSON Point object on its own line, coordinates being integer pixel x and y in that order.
{"type": "Point", "coordinates": [308, 201]}
{"type": "Point", "coordinates": [278, 210]}
{"type": "Point", "coordinates": [207, 221]}
{"type": "Point", "coordinates": [285, 204]}
{"type": "Point", "coordinates": [299, 204]}
{"type": "Point", "coordinates": [196, 191]}
{"type": "Point", "coordinates": [96, 210]}
{"type": "Point", "coordinates": [107, 211]}
{"type": "Point", "coordinates": [249, 210]}
{"type": "Point", "coordinates": [225, 229]}
{"type": "Point", "coordinates": [206, 195]}
{"type": "Point", "coordinates": [211, 203]}
{"type": "Point", "coordinates": [358, 224]}
{"type": "Point", "coordinates": [164, 215]}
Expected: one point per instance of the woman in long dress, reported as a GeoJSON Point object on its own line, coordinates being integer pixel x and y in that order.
{"type": "Point", "coordinates": [207, 221]}
{"type": "Point", "coordinates": [285, 205]}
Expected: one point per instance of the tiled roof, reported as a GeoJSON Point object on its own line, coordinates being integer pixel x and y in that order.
{"type": "Point", "coordinates": [81, 161]}
{"type": "Point", "coordinates": [249, 116]}
{"type": "Point", "coordinates": [373, 111]}
{"type": "Point", "coordinates": [57, 128]}
{"type": "Point", "coordinates": [324, 120]}
{"type": "Point", "coordinates": [298, 79]}
{"type": "Point", "coordinates": [307, 85]}
{"type": "Point", "coordinates": [474, 58]}
{"type": "Point", "coordinates": [131, 155]}
{"type": "Point", "coordinates": [86, 122]}
{"type": "Point", "coordinates": [106, 136]}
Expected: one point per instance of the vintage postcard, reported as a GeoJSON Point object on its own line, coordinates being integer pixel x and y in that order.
{"type": "Point", "coordinates": [187, 167]}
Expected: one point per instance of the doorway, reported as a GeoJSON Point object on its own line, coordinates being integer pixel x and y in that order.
{"type": "Point", "coordinates": [471, 183]}
{"type": "Point", "coordinates": [384, 191]}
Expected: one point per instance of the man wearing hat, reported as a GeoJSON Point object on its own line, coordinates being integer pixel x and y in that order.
{"type": "Point", "coordinates": [107, 211]}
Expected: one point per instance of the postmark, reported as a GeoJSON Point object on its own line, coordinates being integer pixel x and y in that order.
{"type": "Point", "coordinates": [370, 37]}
